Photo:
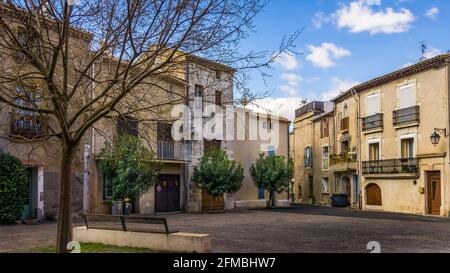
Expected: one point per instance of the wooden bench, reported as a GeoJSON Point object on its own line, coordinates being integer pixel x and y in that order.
{"type": "Point", "coordinates": [124, 220]}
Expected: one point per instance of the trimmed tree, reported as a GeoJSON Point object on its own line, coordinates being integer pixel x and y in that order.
{"type": "Point", "coordinates": [216, 174]}
{"type": "Point", "coordinates": [13, 188]}
{"type": "Point", "coordinates": [129, 166]}
{"type": "Point", "coordinates": [273, 173]}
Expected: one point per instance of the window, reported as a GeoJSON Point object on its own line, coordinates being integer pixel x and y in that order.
{"type": "Point", "coordinates": [271, 151]}
{"type": "Point", "coordinates": [218, 98]}
{"type": "Point", "coordinates": [267, 124]}
{"type": "Point", "coordinates": [325, 157]}
{"type": "Point", "coordinates": [374, 151]}
{"type": "Point", "coordinates": [373, 104]}
{"type": "Point", "coordinates": [198, 91]}
{"type": "Point", "coordinates": [345, 147]}
{"type": "Point", "coordinates": [127, 125]}
{"type": "Point", "coordinates": [406, 96]}
{"type": "Point", "coordinates": [308, 156]}
{"type": "Point", "coordinates": [218, 75]}
{"type": "Point", "coordinates": [211, 145]}
{"type": "Point", "coordinates": [107, 189]}
{"type": "Point", "coordinates": [198, 97]}
{"type": "Point", "coordinates": [407, 148]}
{"type": "Point", "coordinates": [325, 185]}
{"type": "Point", "coordinates": [28, 39]}
{"type": "Point", "coordinates": [28, 97]}
{"type": "Point", "coordinates": [345, 111]}
{"type": "Point", "coordinates": [324, 130]}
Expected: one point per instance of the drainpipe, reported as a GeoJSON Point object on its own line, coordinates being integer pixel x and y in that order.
{"type": "Point", "coordinates": [288, 156]}
{"type": "Point", "coordinates": [358, 147]}
{"type": "Point", "coordinates": [334, 144]}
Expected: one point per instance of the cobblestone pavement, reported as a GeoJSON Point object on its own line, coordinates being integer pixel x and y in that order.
{"type": "Point", "coordinates": [299, 229]}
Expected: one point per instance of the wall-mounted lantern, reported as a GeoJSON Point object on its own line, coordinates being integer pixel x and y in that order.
{"type": "Point", "coordinates": [436, 136]}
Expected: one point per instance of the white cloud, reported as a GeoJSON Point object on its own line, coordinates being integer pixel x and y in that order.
{"type": "Point", "coordinates": [432, 13]}
{"type": "Point", "coordinates": [290, 89]}
{"type": "Point", "coordinates": [432, 52]}
{"type": "Point", "coordinates": [287, 61]}
{"type": "Point", "coordinates": [325, 55]}
{"type": "Point", "coordinates": [360, 16]}
{"type": "Point", "coordinates": [319, 19]}
{"type": "Point", "coordinates": [337, 87]}
{"type": "Point", "coordinates": [284, 107]}
{"type": "Point", "coordinates": [313, 80]}
{"type": "Point", "coordinates": [291, 78]}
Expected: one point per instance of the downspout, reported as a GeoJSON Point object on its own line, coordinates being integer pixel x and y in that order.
{"type": "Point", "coordinates": [186, 165]}
{"type": "Point", "coordinates": [358, 147]}
{"type": "Point", "coordinates": [446, 177]}
{"type": "Point", "coordinates": [334, 144]}
{"type": "Point", "coordinates": [288, 157]}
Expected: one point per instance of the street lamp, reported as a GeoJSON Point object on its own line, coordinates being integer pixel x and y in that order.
{"type": "Point", "coordinates": [436, 136]}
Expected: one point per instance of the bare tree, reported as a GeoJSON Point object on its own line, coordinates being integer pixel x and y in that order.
{"type": "Point", "coordinates": [72, 63]}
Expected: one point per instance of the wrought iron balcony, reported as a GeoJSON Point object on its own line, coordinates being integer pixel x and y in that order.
{"type": "Point", "coordinates": [174, 151]}
{"type": "Point", "coordinates": [372, 122]}
{"type": "Point", "coordinates": [345, 124]}
{"type": "Point", "coordinates": [336, 159]}
{"type": "Point", "coordinates": [27, 126]}
{"type": "Point", "coordinates": [406, 116]}
{"type": "Point", "coordinates": [391, 166]}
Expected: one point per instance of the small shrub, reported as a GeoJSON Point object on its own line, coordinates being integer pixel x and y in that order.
{"type": "Point", "coordinates": [216, 174]}
{"type": "Point", "coordinates": [13, 188]}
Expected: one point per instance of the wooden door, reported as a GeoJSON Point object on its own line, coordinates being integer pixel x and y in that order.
{"type": "Point", "coordinates": [373, 194]}
{"type": "Point", "coordinates": [434, 193]}
{"type": "Point", "coordinates": [167, 194]}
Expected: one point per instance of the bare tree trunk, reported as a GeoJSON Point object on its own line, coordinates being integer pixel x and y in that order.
{"type": "Point", "coordinates": [64, 214]}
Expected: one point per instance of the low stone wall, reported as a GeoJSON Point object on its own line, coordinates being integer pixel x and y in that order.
{"type": "Point", "coordinates": [175, 242]}
{"type": "Point", "coordinates": [250, 204]}
{"type": "Point", "coordinates": [282, 203]}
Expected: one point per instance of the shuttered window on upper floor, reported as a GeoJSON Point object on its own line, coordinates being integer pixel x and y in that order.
{"type": "Point", "coordinates": [406, 96]}
{"type": "Point", "coordinates": [373, 104]}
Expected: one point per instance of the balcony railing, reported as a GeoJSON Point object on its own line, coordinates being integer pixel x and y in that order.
{"type": "Point", "coordinates": [316, 106]}
{"type": "Point", "coordinates": [336, 159]}
{"type": "Point", "coordinates": [406, 115]}
{"type": "Point", "coordinates": [372, 122]}
{"type": "Point", "coordinates": [177, 151]}
{"type": "Point", "coordinates": [391, 166]}
{"type": "Point", "coordinates": [345, 124]}
{"type": "Point", "coordinates": [27, 126]}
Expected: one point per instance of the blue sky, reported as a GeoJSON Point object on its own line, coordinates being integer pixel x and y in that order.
{"type": "Point", "coordinates": [343, 43]}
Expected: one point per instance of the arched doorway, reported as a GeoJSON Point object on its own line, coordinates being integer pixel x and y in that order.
{"type": "Point", "coordinates": [347, 188]}
{"type": "Point", "coordinates": [373, 195]}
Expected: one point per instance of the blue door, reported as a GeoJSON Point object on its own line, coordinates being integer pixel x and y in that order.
{"type": "Point", "coordinates": [27, 210]}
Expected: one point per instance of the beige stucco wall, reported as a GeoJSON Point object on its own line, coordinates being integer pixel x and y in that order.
{"type": "Point", "coordinates": [248, 151]}
{"type": "Point", "coordinates": [303, 137]}
{"type": "Point", "coordinates": [401, 195]}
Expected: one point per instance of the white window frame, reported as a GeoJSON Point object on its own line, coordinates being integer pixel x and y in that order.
{"type": "Point", "coordinates": [408, 136]}
{"type": "Point", "coordinates": [310, 156]}
{"type": "Point", "coordinates": [374, 141]}
{"type": "Point", "coordinates": [323, 158]}
{"type": "Point", "coordinates": [370, 96]}
{"type": "Point", "coordinates": [414, 91]}
{"type": "Point", "coordinates": [327, 190]}
{"type": "Point", "coordinates": [344, 110]}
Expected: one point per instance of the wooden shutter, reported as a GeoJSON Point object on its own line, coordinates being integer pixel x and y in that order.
{"type": "Point", "coordinates": [406, 96]}
{"type": "Point", "coordinates": [373, 104]}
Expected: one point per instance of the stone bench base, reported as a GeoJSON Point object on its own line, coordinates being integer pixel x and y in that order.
{"type": "Point", "coordinates": [250, 204]}
{"type": "Point", "coordinates": [175, 242]}
{"type": "Point", "coordinates": [283, 203]}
